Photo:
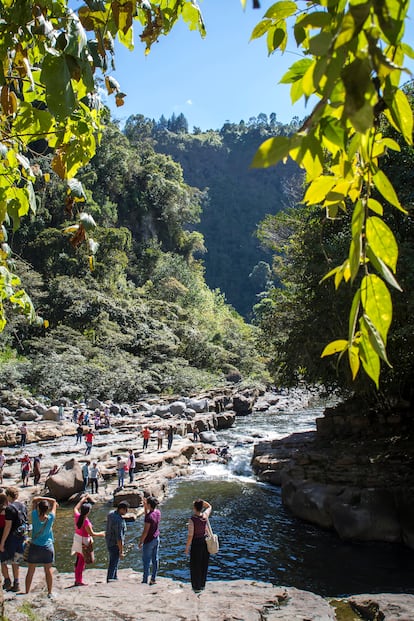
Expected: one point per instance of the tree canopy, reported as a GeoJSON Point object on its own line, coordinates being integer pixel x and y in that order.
{"type": "Point", "coordinates": [353, 63]}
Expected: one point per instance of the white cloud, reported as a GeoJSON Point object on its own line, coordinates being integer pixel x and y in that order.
{"type": "Point", "coordinates": [189, 102]}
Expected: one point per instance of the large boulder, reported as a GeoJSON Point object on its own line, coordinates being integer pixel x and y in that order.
{"type": "Point", "coordinates": [225, 420]}
{"type": "Point", "coordinates": [163, 411]}
{"type": "Point", "coordinates": [131, 495]}
{"type": "Point", "coordinates": [198, 405]}
{"type": "Point", "coordinates": [208, 437]}
{"type": "Point", "coordinates": [243, 404]}
{"type": "Point", "coordinates": [51, 413]}
{"type": "Point", "coordinates": [177, 407]}
{"type": "Point", "coordinates": [25, 415]}
{"type": "Point", "coordinates": [95, 404]}
{"type": "Point", "coordinates": [66, 482]}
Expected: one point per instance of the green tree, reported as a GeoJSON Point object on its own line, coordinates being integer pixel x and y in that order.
{"type": "Point", "coordinates": [353, 63]}
{"type": "Point", "coordinates": [49, 55]}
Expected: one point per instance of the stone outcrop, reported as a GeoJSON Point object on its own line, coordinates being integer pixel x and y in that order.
{"type": "Point", "coordinates": [167, 600]}
{"type": "Point", "coordinates": [355, 474]}
{"type": "Point", "coordinates": [67, 482]}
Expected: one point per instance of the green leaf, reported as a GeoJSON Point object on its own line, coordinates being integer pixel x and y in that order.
{"type": "Point", "coordinates": [353, 315]}
{"type": "Point", "coordinates": [318, 190]}
{"type": "Point", "coordinates": [281, 10]}
{"type": "Point", "coordinates": [60, 98]}
{"type": "Point", "coordinates": [271, 152]}
{"type": "Point", "coordinates": [334, 347]}
{"type": "Point", "coordinates": [375, 339]}
{"type": "Point", "coordinates": [353, 356]}
{"type": "Point", "coordinates": [369, 358]}
{"type": "Point", "coordinates": [402, 115]}
{"type": "Point", "coordinates": [382, 241]}
{"type": "Point", "coordinates": [376, 302]}
{"type": "Point", "coordinates": [319, 44]}
{"type": "Point", "coordinates": [385, 187]}
{"type": "Point", "coordinates": [375, 206]}
{"type": "Point", "coordinates": [296, 71]}
{"type": "Point", "coordinates": [260, 29]}
{"type": "Point", "coordinates": [382, 269]}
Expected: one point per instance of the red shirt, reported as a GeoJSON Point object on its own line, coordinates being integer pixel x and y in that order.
{"type": "Point", "coordinates": [89, 437]}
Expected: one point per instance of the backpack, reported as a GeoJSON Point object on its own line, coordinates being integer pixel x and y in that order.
{"type": "Point", "coordinates": [22, 522]}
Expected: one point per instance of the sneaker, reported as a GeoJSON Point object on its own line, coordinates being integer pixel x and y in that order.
{"type": "Point", "coordinates": [81, 584]}
{"type": "Point", "coordinates": [153, 582]}
{"type": "Point", "coordinates": [15, 588]}
{"type": "Point", "coordinates": [51, 595]}
{"type": "Point", "coordinates": [7, 584]}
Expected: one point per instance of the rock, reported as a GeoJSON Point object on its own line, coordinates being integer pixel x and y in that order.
{"type": "Point", "coordinates": [66, 482]}
{"type": "Point", "coordinates": [234, 377]}
{"type": "Point", "coordinates": [225, 420]}
{"type": "Point", "coordinates": [161, 410]}
{"type": "Point", "coordinates": [94, 404]}
{"type": "Point", "coordinates": [169, 600]}
{"type": "Point", "coordinates": [198, 405]}
{"type": "Point", "coordinates": [208, 437]}
{"type": "Point", "coordinates": [243, 404]}
{"type": "Point", "coordinates": [177, 407]}
{"type": "Point", "coordinates": [26, 415]}
{"type": "Point", "coordinates": [126, 410]}
{"type": "Point", "coordinates": [51, 413]}
{"type": "Point", "coordinates": [132, 495]}
{"type": "Point", "coordinates": [115, 409]}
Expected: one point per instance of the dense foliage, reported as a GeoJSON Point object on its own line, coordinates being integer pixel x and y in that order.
{"type": "Point", "coordinates": [299, 317]}
{"type": "Point", "coordinates": [143, 320]}
{"type": "Point", "coordinates": [238, 196]}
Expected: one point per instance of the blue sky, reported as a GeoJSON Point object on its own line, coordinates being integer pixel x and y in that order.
{"type": "Point", "coordinates": [211, 80]}
{"type": "Point", "coordinates": [222, 77]}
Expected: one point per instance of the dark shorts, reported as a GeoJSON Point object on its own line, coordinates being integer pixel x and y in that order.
{"type": "Point", "coordinates": [13, 550]}
{"type": "Point", "coordinates": [41, 555]}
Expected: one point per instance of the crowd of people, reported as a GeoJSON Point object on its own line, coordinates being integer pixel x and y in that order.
{"type": "Point", "coordinates": [39, 550]}
{"type": "Point", "coordinates": [14, 523]}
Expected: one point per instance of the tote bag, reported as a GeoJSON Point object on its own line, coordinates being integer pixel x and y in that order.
{"type": "Point", "coordinates": [212, 540]}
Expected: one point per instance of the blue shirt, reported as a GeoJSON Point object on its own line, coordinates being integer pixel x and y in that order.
{"type": "Point", "coordinates": [115, 529]}
{"type": "Point", "coordinates": [45, 538]}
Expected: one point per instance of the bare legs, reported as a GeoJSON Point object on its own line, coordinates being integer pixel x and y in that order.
{"type": "Point", "coordinates": [48, 576]}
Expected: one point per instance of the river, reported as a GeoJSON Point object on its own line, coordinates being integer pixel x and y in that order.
{"type": "Point", "coordinates": [259, 539]}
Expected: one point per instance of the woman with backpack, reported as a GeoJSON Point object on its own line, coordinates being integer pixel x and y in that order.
{"type": "Point", "coordinates": [13, 527]}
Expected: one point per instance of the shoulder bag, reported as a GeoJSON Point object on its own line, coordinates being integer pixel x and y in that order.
{"type": "Point", "coordinates": [211, 539]}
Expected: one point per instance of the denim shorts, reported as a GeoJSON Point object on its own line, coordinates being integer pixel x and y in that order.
{"type": "Point", "coordinates": [41, 555]}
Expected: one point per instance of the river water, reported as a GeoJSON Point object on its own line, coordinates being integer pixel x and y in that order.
{"type": "Point", "coordinates": [259, 539]}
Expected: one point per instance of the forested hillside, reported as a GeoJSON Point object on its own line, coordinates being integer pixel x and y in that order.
{"type": "Point", "coordinates": [143, 319]}
{"type": "Point", "coordinates": [237, 199]}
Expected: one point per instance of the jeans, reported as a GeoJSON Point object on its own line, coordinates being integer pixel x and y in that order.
{"type": "Point", "coordinates": [94, 485]}
{"type": "Point", "coordinates": [113, 552]}
{"type": "Point", "coordinates": [150, 554]}
{"type": "Point", "coordinates": [121, 475]}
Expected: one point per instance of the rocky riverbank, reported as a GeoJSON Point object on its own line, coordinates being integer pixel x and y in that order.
{"type": "Point", "coordinates": [129, 600]}
{"type": "Point", "coordinates": [354, 474]}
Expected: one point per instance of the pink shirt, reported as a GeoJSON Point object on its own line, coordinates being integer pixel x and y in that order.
{"type": "Point", "coordinates": [82, 531]}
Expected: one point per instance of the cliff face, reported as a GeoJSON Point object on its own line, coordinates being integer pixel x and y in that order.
{"type": "Point", "coordinates": [355, 474]}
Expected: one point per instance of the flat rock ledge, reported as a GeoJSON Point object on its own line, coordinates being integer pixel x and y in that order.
{"type": "Point", "coordinates": [241, 600]}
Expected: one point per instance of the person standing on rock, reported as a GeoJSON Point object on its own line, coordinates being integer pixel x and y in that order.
{"type": "Point", "coordinates": [94, 474]}
{"type": "Point", "coordinates": [196, 544]}
{"type": "Point", "coordinates": [120, 468]}
{"type": "Point", "coordinates": [115, 538]}
{"type": "Point", "coordinates": [131, 465]}
{"type": "Point", "coordinates": [2, 462]}
{"type": "Point", "coordinates": [85, 475]}
{"type": "Point", "coordinates": [146, 435]}
{"type": "Point", "coordinates": [42, 551]}
{"type": "Point", "coordinates": [160, 437]}
{"type": "Point", "coordinates": [89, 441]}
{"type": "Point", "coordinates": [150, 539]}
{"type": "Point", "coordinates": [26, 467]}
{"type": "Point", "coordinates": [170, 436]}
{"type": "Point", "coordinates": [36, 469]}
{"type": "Point", "coordinates": [23, 434]}
{"type": "Point", "coordinates": [79, 434]}
{"type": "Point", "coordinates": [83, 536]}
{"type": "Point", "coordinates": [12, 537]}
